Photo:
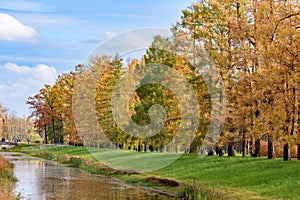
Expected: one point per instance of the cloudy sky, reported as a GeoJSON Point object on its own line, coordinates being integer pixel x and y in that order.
{"type": "Point", "coordinates": [40, 39]}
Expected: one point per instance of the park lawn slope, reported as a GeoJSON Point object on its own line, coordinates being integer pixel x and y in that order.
{"type": "Point", "coordinates": [267, 178]}
{"type": "Point", "coordinates": [225, 177]}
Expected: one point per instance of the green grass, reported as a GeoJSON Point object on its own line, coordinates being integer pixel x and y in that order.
{"type": "Point", "coordinates": [21, 147]}
{"type": "Point", "coordinates": [226, 177]}
{"type": "Point", "coordinates": [70, 150]}
{"type": "Point", "coordinates": [253, 176]}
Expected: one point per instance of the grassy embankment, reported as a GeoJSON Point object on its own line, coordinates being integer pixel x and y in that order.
{"type": "Point", "coordinates": [206, 178]}
{"type": "Point", "coordinates": [7, 179]}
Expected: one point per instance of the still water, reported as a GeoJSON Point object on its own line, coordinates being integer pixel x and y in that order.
{"type": "Point", "coordinates": [39, 179]}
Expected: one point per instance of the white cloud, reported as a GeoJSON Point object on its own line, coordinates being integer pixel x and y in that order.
{"type": "Point", "coordinates": [22, 82]}
{"type": "Point", "coordinates": [13, 30]}
{"type": "Point", "coordinates": [110, 34]}
{"type": "Point", "coordinates": [45, 73]}
{"type": "Point", "coordinates": [40, 72]}
{"type": "Point", "coordinates": [17, 69]}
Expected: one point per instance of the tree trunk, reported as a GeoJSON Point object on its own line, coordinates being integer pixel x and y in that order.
{"type": "Point", "coordinates": [257, 148]}
{"type": "Point", "coordinates": [271, 149]}
{"type": "Point", "coordinates": [251, 148]}
{"type": "Point", "coordinates": [45, 129]}
{"type": "Point", "coordinates": [244, 145]}
{"type": "Point", "coordinates": [231, 150]}
{"type": "Point", "coordinates": [61, 130]}
{"type": "Point", "coordinates": [220, 152]}
{"type": "Point", "coordinates": [298, 153]}
{"type": "Point", "coordinates": [286, 152]}
{"type": "Point", "coordinates": [53, 129]}
{"type": "Point", "coordinates": [256, 152]}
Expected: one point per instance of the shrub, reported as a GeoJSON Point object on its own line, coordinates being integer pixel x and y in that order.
{"type": "Point", "coordinates": [195, 192]}
{"type": "Point", "coordinates": [6, 168]}
{"type": "Point", "coordinates": [48, 156]}
{"type": "Point", "coordinates": [76, 162]}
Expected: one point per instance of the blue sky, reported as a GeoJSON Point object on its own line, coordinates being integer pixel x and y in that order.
{"type": "Point", "coordinates": [41, 39]}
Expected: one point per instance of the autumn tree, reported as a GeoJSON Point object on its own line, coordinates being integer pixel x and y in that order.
{"type": "Point", "coordinates": [208, 25]}
{"type": "Point", "coordinates": [40, 114]}
{"type": "Point", "coordinates": [63, 90]}
{"type": "Point", "coordinates": [253, 46]}
{"type": "Point", "coordinates": [112, 72]}
{"type": "Point", "coordinates": [3, 118]}
{"type": "Point", "coordinates": [277, 35]}
{"type": "Point", "coordinates": [53, 106]}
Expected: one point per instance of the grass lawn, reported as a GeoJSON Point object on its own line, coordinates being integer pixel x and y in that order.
{"type": "Point", "coordinates": [240, 176]}
{"type": "Point", "coordinates": [230, 177]}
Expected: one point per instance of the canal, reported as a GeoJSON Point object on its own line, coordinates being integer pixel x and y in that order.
{"type": "Point", "coordinates": [40, 179]}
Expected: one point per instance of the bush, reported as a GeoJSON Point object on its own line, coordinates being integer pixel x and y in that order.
{"type": "Point", "coordinates": [76, 162]}
{"type": "Point", "coordinates": [195, 192]}
{"type": "Point", "coordinates": [48, 156]}
{"type": "Point", "coordinates": [6, 168]}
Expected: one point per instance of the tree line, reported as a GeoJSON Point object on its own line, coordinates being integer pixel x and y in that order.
{"type": "Point", "coordinates": [16, 129]}
{"type": "Point", "coordinates": [253, 44]}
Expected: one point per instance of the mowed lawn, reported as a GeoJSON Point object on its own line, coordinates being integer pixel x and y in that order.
{"type": "Point", "coordinates": [240, 176]}
{"type": "Point", "coordinates": [236, 177]}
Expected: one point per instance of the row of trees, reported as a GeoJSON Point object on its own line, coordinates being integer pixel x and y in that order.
{"type": "Point", "coordinates": [252, 43]}
{"type": "Point", "coordinates": [52, 111]}
{"type": "Point", "coordinates": [16, 129]}
{"type": "Point", "coordinates": [57, 107]}
{"type": "Point", "coordinates": [255, 47]}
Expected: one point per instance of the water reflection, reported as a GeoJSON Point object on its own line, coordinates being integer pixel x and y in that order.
{"type": "Point", "coordinates": [39, 179]}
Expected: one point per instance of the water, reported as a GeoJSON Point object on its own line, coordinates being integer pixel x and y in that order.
{"type": "Point", "coordinates": [39, 179]}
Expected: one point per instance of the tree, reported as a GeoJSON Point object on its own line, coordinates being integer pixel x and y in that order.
{"type": "Point", "coordinates": [40, 115]}
{"type": "Point", "coordinates": [3, 119]}
{"type": "Point", "coordinates": [208, 24]}
{"type": "Point", "coordinates": [248, 42]}
{"type": "Point", "coordinates": [53, 106]}
{"type": "Point", "coordinates": [277, 27]}
{"type": "Point", "coordinates": [64, 89]}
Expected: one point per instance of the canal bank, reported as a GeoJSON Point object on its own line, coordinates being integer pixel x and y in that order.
{"type": "Point", "coordinates": [212, 177]}
{"type": "Point", "coordinates": [7, 179]}
{"type": "Point", "coordinates": [43, 179]}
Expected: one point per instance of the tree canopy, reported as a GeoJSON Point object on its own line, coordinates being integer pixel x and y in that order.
{"type": "Point", "coordinates": [254, 46]}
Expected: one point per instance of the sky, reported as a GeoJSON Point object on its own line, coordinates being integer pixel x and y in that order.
{"type": "Point", "coordinates": [40, 39]}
